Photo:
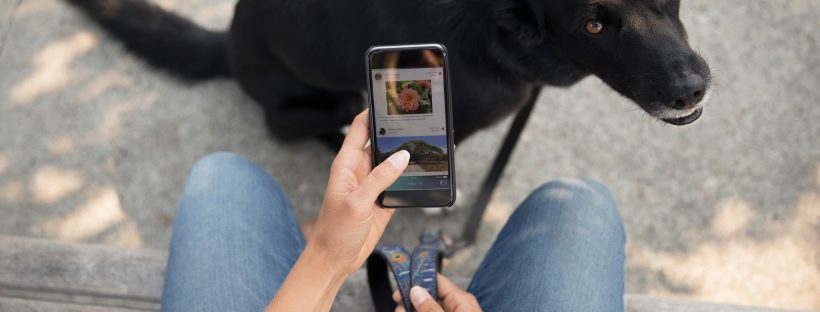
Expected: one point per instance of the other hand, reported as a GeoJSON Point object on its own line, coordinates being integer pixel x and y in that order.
{"type": "Point", "coordinates": [452, 298]}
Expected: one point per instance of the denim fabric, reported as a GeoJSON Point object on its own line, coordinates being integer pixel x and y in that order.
{"type": "Point", "coordinates": [235, 239]}
{"type": "Point", "coordinates": [561, 250]}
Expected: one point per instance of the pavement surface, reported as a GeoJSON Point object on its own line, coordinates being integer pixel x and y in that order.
{"type": "Point", "coordinates": [95, 146]}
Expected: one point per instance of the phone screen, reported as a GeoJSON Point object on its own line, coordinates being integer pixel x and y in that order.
{"type": "Point", "coordinates": [410, 110]}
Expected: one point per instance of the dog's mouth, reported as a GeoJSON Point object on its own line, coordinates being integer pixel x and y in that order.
{"type": "Point", "coordinates": [685, 120]}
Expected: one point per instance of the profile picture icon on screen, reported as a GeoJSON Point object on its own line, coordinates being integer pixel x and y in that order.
{"type": "Point", "coordinates": [378, 77]}
{"type": "Point", "coordinates": [382, 131]}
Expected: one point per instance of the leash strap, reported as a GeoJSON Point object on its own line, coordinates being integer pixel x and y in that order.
{"type": "Point", "coordinates": [416, 270]}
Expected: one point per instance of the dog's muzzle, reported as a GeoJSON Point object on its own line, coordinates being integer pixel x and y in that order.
{"type": "Point", "coordinates": [685, 120]}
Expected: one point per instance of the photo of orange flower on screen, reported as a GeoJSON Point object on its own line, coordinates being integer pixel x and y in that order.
{"type": "Point", "coordinates": [409, 97]}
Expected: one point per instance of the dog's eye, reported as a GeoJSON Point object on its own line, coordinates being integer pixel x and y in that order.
{"type": "Point", "coordinates": [594, 27]}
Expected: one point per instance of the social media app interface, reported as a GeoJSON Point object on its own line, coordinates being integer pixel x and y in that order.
{"type": "Point", "coordinates": [409, 110]}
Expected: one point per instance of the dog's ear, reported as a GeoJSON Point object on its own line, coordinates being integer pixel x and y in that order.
{"type": "Point", "coordinates": [522, 19]}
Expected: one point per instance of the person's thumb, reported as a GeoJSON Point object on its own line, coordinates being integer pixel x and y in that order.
{"type": "Point", "coordinates": [422, 300]}
{"type": "Point", "coordinates": [383, 176]}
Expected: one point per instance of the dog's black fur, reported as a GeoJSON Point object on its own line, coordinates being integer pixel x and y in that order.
{"type": "Point", "coordinates": [303, 61]}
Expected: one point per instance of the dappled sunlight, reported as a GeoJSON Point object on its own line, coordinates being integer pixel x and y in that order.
{"type": "Point", "coordinates": [4, 163]}
{"type": "Point", "coordinates": [103, 82]}
{"type": "Point", "coordinates": [806, 223]}
{"type": "Point", "coordinates": [732, 218]}
{"type": "Point", "coordinates": [11, 191]}
{"type": "Point", "coordinates": [112, 123]}
{"type": "Point", "coordinates": [61, 145]}
{"type": "Point", "coordinates": [51, 184]}
{"type": "Point", "coordinates": [779, 271]}
{"type": "Point", "coordinates": [818, 174]}
{"type": "Point", "coordinates": [32, 7]}
{"type": "Point", "coordinates": [126, 235]}
{"type": "Point", "coordinates": [101, 211]}
{"type": "Point", "coordinates": [168, 5]}
{"type": "Point", "coordinates": [218, 13]}
{"type": "Point", "coordinates": [498, 211]}
{"type": "Point", "coordinates": [52, 67]}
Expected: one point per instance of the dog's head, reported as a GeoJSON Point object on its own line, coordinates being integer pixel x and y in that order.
{"type": "Point", "coordinates": [638, 47]}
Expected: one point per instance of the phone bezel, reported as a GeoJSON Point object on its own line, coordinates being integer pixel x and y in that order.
{"type": "Point", "coordinates": [448, 117]}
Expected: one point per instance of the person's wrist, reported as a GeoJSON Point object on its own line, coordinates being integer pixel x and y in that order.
{"type": "Point", "coordinates": [325, 260]}
{"type": "Point", "coordinates": [312, 283]}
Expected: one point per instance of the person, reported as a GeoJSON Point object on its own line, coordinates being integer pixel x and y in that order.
{"type": "Point", "coordinates": [236, 245]}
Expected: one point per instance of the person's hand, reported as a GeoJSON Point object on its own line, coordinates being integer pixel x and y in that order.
{"type": "Point", "coordinates": [348, 227]}
{"type": "Point", "coordinates": [350, 223]}
{"type": "Point", "coordinates": [453, 298]}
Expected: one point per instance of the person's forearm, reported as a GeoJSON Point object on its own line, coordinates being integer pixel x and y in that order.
{"type": "Point", "coordinates": [311, 285]}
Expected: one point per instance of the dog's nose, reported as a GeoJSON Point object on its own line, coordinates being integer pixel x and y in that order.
{"type": "Point", "coordinates": [690, 92]}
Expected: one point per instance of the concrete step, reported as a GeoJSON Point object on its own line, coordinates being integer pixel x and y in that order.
{"type": "Point", "coordinates": [46, 275]}
{"type": "Point", "coordinates": [29, 305]}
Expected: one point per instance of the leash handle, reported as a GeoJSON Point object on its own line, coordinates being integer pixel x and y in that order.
{"type": "Point", "coordinates": [417, 270]}
{"type": "Point", "coordinates": [397, 260]}
{"type": "Point", "coordinates": [426, 262]}
{"type": "Point", "coordinates": [425, 266]}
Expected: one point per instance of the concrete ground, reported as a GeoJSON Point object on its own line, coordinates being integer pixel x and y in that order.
{"type": "Point", "coordinates": [95, 146]}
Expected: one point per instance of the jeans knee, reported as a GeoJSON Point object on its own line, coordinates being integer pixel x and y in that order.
{"type": "Point", "coordinates": [225, 175]}
{"type": "Point", "coordinates": [215, 164]}
{"type": "Point", "coordinates": [574, 200]}
{"type": "Point", "coordinates": [226, 166]}
{"type": "Point", "coordinates": [574, 188]}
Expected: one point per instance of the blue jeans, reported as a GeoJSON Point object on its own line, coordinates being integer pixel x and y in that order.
{"type": "Point", "coordinates": [235, 239]}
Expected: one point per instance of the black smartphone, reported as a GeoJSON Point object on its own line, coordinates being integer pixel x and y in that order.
{"type": "Point", "coordinates": [410, 109]}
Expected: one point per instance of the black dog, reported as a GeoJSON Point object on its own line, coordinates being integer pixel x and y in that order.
{"type": "Point", "coordinates": [304, 60]}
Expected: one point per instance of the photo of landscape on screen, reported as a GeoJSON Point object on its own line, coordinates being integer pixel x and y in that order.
{"type": "Point", "coordinates": [409, 97]}
{"type": "Point", "coordinates": [427, 153]}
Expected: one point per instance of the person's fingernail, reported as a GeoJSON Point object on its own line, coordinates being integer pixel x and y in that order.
{"type": "Point", "coordinates": [418, 295]}
{"type": "Point", "coordinates": [399, 159]}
